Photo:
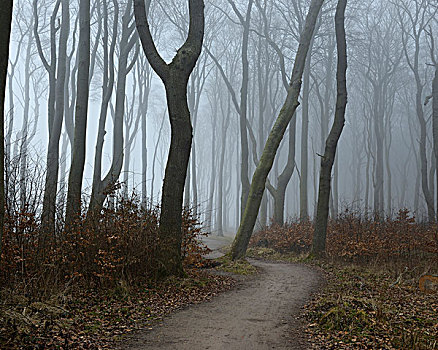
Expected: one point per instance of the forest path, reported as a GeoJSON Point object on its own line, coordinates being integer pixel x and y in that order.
{"type": "Point", "coordinates": [260, 313]}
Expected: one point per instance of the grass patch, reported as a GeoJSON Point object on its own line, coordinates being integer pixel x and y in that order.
{"type": "Point", "coordinates": [237, 267]}
{"type": "Point", "coordinates": [273, 255]}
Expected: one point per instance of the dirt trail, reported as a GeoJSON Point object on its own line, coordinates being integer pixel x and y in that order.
{"type": "Point", "coordinates": [259, 314]}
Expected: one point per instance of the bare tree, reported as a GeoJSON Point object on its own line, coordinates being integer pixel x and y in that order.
{"type": "Point", "coordinates": [257, 188]}
{"type": "Point", "coordinates": [73, 209]}
{"type": "Point", "coordinates": [434, 96]}
{"type": "Point", "coordinates": [414, 20]}
{"type": "Point", "coordinates": [55, 123]}
{"type": "Point", "coordinates": [175, 76]}
{"type": "Point", "coordinates": [5, 35]}
{"type": "Point", "coordinates": [327, 160]}
{"type": "Point", "coordinates": [129, 37]}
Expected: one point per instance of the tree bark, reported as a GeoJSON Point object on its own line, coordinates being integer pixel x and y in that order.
{"type": "Point", "coordinates": [435, 125]}
{"type": "Point", "coordinates": [257, 188]}
{"type": "Point", "coordinates": [220, 190]}
{"type": "Point", "coordinates": [319, 235]}
{"type": "Point", "coordinates": [418, 23]}
{"type": "Point", "coordinates": [209, 214]}
{"type": "Point", "coordinates": [175, 76]}
{"type": "Point", "coordinates": [55, 126]}
{"type": "Point", "coordinates": [5, 35]}
{"type": "Point", "coordinates": [25, 125]}
{"type": "Point", "coordinates": [304, 201]}
{"type": "Point", "coordinates": [107, 91]}
{"type": "Point", "coordinates": [101, 188]}
{"type": "Point", "coordinates": [73, 210]}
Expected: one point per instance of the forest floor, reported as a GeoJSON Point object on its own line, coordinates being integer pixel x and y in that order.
{"type": "Point", "coordinates": [262, 312]}
{"type": "Point", "coordinates": [258, 308]}
{"type": "Point", "coordinates": [365, 305]}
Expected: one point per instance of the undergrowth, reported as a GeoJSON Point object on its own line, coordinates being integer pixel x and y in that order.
{"type": "Point", "coordinates": [237, 267]}
{"type": "Point", "coordinates": [71, 288]}
{"type": "Point", "coordinates": [372, 298]}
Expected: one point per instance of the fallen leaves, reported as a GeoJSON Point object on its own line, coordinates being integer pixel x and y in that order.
{"type": "Point", "coordinates": [372, 298]}
{"type": "Point", "coordinates": [376, 316]}
{"type": "Point", "coordinates": [98, 319]}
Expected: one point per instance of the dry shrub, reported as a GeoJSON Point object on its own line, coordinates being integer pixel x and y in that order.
{"type": "Point", "coordinates": [117, 246]}
{"type": "Point", "coordinates": [352, 237]}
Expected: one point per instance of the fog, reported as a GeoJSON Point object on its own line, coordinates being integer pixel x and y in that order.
{"type": "Point", "coordinates": [385, 158]}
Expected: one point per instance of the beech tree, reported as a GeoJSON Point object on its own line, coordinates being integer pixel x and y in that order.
{"type": "Point", "coordinates": [5, 35]}
{"type": "Point", "coordinates": [175, 77]}
{"type": "Point", "coordinates": [73, 210]}
{"type": "Point", "coordinates": [101, 187]}
{"type": "Point", "coordinates": [264, 166]}
{"type": "Point", "coordinates": [327, 160]}
{"type": "Point", "coordinates": [283, 179]}
{"type": "Point", "coordinates": [434, 97]}
{"type": "Point", "coordinates": [414, 18]}
{"type": "Point", "coordinates": [56, 110]}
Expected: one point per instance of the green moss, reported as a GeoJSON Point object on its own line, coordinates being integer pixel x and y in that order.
{"type": "Point", "coordinates": [238, 267]}
{"type": "Point", "coordinates": [271, 254]}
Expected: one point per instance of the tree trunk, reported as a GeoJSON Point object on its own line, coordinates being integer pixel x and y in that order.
{"type": "Point", "coordinates": [187, 185]}
{"type": "Point", "coordinates": [279, 194]}
{"type": "Point", "coordinates": [145, 79]}
{"type": "Point", "coordinates": [423, 157]}
{"type": "Point", "coordinates": [209, 214]}
{"type": "Point", "coordinates": [435, 125]}
{"type": "Point", "coordinates": [25, 125]}
{"type": "Point", "coordinates": [102, 187]}
{"type": "Point", "coordinates": [73, 210]}
{"type": "Point", "coordinates": [175, 76]}
{"type": "Point", "coordinates": [107, 91]}
{"type": "Point", "coordinates": [304, 201]}
{"type": "Point", "coordinates": [257, 188]}
{"type": "Point", "coordinates": [220, 189]}
{"type": "Point", "coordinates": [194, 180]}
{"type": "Point", "coordinates": [244, 173]}
{"type": "Point", "coordinates": [51, 184]}
{"type": "Point", "coordinates": [10, 129]}
{"type": "Point", "coordinates": [378, 180]}
{"type": "Point", "coordinates": [319, 236]}
{"type": "Point", "coordinates": [5, 35]}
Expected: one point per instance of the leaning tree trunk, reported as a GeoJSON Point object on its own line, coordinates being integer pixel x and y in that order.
{"type": "Point", "coordinates": [175, 76]}
{"type": "Point", "coordinates": [257, 187]}
{"type": "Point", "coordinates": [73, 210]}
{"type": "Point", "coordinates": [319, 236]}
{"type": "Point", "coordinates": [5, 35]}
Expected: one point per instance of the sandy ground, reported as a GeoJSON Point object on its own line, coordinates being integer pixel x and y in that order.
{"type": "Point", "coordinates": [260, 313]}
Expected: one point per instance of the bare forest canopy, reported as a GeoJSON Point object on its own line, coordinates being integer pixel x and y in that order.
{"type": "Point", "coordinates": [385, 159]}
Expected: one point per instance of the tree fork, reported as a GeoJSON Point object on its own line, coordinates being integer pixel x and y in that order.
{"type": "Point", "coordinates": [175, 76]}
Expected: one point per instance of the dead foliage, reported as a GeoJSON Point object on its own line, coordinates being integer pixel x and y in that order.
{"type": "Point", "coordinates": [362, 308]}
{"type": "Point", "coordinates": [372, 299]}
{"type": "Point", "coordinates": [70, 289]}
{"type": "Point", "coordinates": [355, 238]}
{"type": "Point", "coordinates": [99, 319]}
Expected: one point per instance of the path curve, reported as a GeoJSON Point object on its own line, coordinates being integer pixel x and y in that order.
{"type": "Point", "coordinates": [261, 313]}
